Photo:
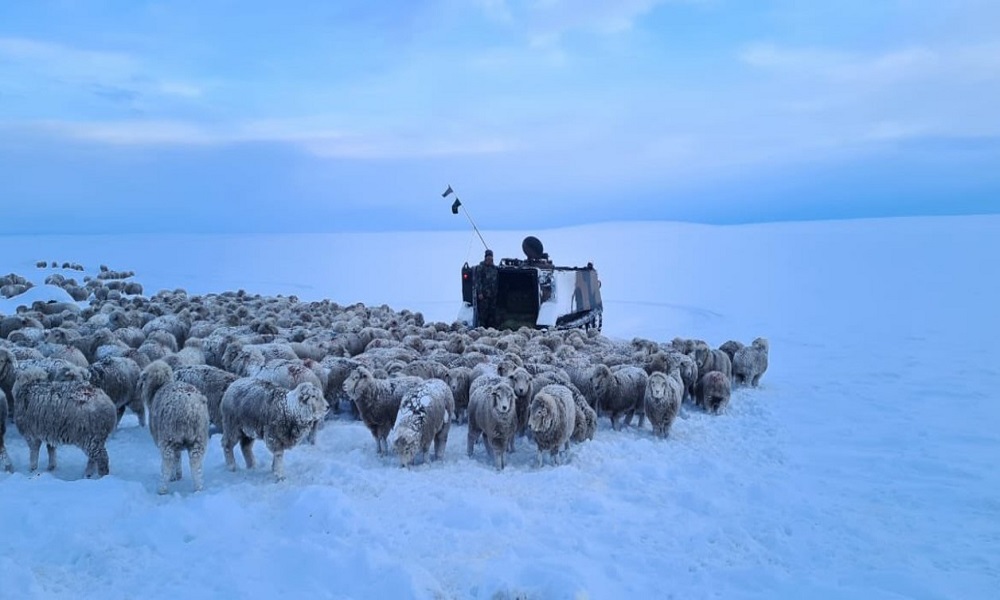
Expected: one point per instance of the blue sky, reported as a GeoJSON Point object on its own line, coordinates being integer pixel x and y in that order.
{"type": "Point", "coordinates": [252, 116]}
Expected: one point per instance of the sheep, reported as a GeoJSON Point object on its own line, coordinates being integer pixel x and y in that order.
{"type": "Point", "coordinates": [750, 362]}
{"type": "Point", "coordinates": [712, 392]}
{"type": "Point", "coordinates": [730, 347]}
{"type": "Point", "coordinates": [210, 381]}
{"type": "Point", "coordinates": [178, 420]}
{"type": "Point", "coordinates": [118, 377]}
{"type": "Point", "coordinates": [619, 392]}
{"type": "Point", "coordinates": [459, 379]}
{"type": "Point", "coordinates": [8, 370]}
{"type": "Point", "coordinates": [4, 458]}
{"type": "Point", "coordinates": [254, 409]}
{"type": "Point", "coordinates": [63, 412]}
{"type": "Point", "coordinates": [586, 417]}
{"type": "Point", "coordinates": [552, 419]}
{"type": "Point", "coordinates": [492, 415]}
{"type": "Point", "coordinates": [425, 415]}
{"type": "Point", "coordinates": [664, 394]}
{"type": "Point", "coordinates": [377, 401]}
{"type": "Point", "coordinates": [709, 359]}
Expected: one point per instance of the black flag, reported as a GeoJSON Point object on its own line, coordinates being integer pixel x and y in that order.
{"type": "Point", "coordinates": [455, 205]}
{"type": "Point", "coordinates": [447, 192]}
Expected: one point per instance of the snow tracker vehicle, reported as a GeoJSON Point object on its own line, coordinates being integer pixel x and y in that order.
{"type": "Point", "coordinates": [533, 292]}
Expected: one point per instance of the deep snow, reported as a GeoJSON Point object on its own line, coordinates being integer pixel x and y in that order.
{"type": "Point", "coordinates": [863, 467]}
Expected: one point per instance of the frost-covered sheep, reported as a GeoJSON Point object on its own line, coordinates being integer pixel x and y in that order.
{"type": "Point", "coordinates": [378, 401]}
{"type": "Point", "coordinates": [664, 394]}
{"type": "Point", "coordinates": [493, 416]}
{"type": "Point", "coordinates": [178, 421]}
{"type": "Point", "coordinates": [459, 379]}
{"type": "Point", "coordinates": [619, 392]}
{"type": "Point", "coordinates": [63, 412]}
{"type": "Point", "coordinates": [425, 416]}
{"type": "Point", "coordinates": [712, 391]}
{"type": "Point", "coordinates": [586, 417]}
{"type": "Point", "coordinates": [730, 347]}
{"type": "Point", "coordinates": [4, 458]}
{"type": "Point", "coordinates": [253, 409]}
{"type": "Point", "coordinates": [210, 381]}
{"type": "Point", "coordinates": [520, 382]}
{"type": "Point", "coordinates": [119, 378]}
{"type": "Point", "coordinates": [710, 359]}
{"type": "Point", "coordinates": [552, 419]}
{"type": "Point", "coordinates": [8, 371]}
{"type": "Point", "coordinates": [750, 362]}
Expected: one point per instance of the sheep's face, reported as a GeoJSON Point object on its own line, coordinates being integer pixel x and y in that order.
{"type": "Point", "coordinates": [657, 386]}
{"type": "Point", "coordinates": [503, 399]}
{"type": "Point", "coordinates": [307, 400]}
{"type": "Point", "coordinates": [541, 416]}
{"type": "Point", "coordinates": [701, 354]}
{"type": "Point", "coordinates": [600, 377]}
{"type": "Point", "coordinates": [355, 379]}
{"type": "Point", "coordinates": [520, 381]}
{"type": "Point", "coordinates": [760, 344]}
{"type": "Point", "coordinates": [405, 446]}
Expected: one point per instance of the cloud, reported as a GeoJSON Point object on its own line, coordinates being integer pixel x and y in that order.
{"type": "Point", "coordinates": [307, 134]}
{"type": "Point", "coordinates": [113, 76]}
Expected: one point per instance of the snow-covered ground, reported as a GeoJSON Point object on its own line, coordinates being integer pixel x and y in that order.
{"type": "Point", "coordinates": [863, 467]}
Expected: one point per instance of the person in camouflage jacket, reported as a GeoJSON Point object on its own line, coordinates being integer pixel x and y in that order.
{"type": "Point", "coordinates": [486, 282]}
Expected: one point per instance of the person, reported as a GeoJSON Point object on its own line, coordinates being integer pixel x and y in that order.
{"type": "Point", "coordinates": [486, 283]}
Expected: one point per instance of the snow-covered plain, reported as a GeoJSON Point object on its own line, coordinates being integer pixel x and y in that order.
{"type": "Point", "coordinates": [863, 467]}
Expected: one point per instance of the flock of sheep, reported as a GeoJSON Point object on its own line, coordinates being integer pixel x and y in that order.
{"type": "Point", "coordinates": [275, 369]}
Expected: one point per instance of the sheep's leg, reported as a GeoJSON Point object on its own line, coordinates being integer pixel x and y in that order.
{"type": "Point", "coordinates": [34, 445]}
{"type": "Point", "coordinates": [614, 421]}
{"type": "Point", "coordinates": [196, 456]}
{"type": "Point", "coordinates": [473, 436]}
{"type": "Point", "coordinates": [51, 449]}
{"type": "Point", "coordinates": [166, 468]}
{"type": "Point", "coordinates": [278, 465]}
{"type": "Point", "coordinates": [176, 476]}
{"type": "Point", "coordinates": [755, 380]}
{"type": "Point", "coordinates": [555, 455]}
{"type": "Point", "coordinates": [540, 459]}
{"type": "Point", "coordinates": [5, 459]}
{"type": "Point", "coordinates": [140, 410]}
{"type": "Point", "coordinates": [246, 447]}
{"type": "Point", "coordinates": [440, 441]}
{"type": "Point", "coordinates": [103, 462]}
{"type": "Point", "coordinates": [227, 449]}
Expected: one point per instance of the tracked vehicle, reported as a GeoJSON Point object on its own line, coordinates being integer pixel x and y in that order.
{"type": "Point", "coordinates": [534, 292]}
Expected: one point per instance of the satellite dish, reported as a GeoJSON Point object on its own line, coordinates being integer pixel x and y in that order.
{"type": "Point", "coordinates": [532, 248]}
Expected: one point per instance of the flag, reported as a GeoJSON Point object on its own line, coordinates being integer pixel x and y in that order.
{"type": "Point", "coordinates": [447, 192]}
{"type": "Point", "coordinates": [455, 205]}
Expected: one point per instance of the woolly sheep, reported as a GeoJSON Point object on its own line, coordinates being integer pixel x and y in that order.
{"type": "Point", "coordinates": [459, 379]}
{"type": "Point", "coordinates": [552, 419]}
{"type": "Point", "coordinates": [210, 381]}
{"type": "Point", "coordinates": [377, 401]}
{"type": "Point", "coordinates": [425, 415]}
{"type": "Point", "coordinates": [63, 412]}
{"type": "Point", "coordinates": [119, 378]}
{"type": "Point", "coordinates": [750, 362]}
{"type": "Point", "coordinates": [619, 392]}
{"type": "Point", "coordinates": [712, 392]}
{"type": "Point", "coordinates": [492, 415]}
{"type": "Point", "coordinates": [709, 359]}
{"type": "Point", "coordinates": [254, 409]}
{"type": "Point", "coordinates": [4, 458]}
{"type": "Point", "coordinates": [730, 347]}
{"type": "Point", "coordinates": [178, 420]}
{"type": "Point", "coordinates": [664, 394]}
{"type": "Point", "coordinates": [586, 417]}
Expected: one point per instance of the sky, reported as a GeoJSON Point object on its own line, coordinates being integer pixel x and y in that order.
{"type": "Point", "coordinates": [251, 116]}
{"type": "Point", "coordinates": [864, 466]}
